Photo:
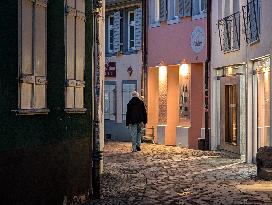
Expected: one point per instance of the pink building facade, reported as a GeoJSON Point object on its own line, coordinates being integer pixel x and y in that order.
{"type": "Point", "coordinates": [177, 51]}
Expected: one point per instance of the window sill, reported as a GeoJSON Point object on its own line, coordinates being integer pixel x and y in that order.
{"type": "Point", "coordinates": [173, 21]}
{"type": "Point", "coordinates": [75, 110]}
{"type": "Point", "coordinates": [155, 25]}
{"type": "Point", "coordinates": [231, 51]}
{"type": "Point", "coordinates": [200, 16]}
{"type": "Point", "coordinates": [43, 111]}
{"type": "Point", "coordinates": [254, 42]}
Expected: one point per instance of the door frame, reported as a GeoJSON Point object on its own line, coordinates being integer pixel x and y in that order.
{"type": "Point", "coordinates": [229, 80]}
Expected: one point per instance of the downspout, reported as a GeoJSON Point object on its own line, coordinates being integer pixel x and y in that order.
{"type": "Point", "coordinates": [97, 154]}
{"type": "Point", "coordinates": [144, 50]}
{"type": "Point", "coordinates": [207, 62]}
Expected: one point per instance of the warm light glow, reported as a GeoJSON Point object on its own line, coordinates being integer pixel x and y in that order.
{"type": "Point", "coordinates": [184, 70]}
{"type": "Point", "coordinates": [162, 73]}
{"type": "Point", "coordinates": [230, 70]}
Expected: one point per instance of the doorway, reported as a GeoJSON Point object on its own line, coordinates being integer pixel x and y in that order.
{"type": "Point", "coordinates": [230, 114]}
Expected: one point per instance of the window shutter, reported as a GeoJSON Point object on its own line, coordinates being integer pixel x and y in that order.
{"type": "Point", "coordinates": [75, 55]}
{"type": "Point", "coordinates": [181, 8]}
{"type": "Point", "coordinates": [195, 7]}
{"type": "Point", "coordinates": [187, 7]}
{"type": "Point", "coordinates": [40, 55]}
{"type": "Point", "coordinates": [80, 54]}
{"type": "Point", "coordinates": [32, 48]}
{"type": "Point", "coordinates": [138, 29]}
{"type": "Point", "coordinates": [116, 32]}
{"type": "Point", "coordinates": [163, 10]}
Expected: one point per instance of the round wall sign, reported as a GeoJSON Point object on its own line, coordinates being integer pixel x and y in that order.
{"type": "Point", "coordinates": [197, 39]}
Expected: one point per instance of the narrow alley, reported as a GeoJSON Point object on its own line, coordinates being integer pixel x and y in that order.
{"type": "Point", "coordinates": [173, 175]}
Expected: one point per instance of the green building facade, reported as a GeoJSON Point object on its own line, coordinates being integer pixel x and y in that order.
{"type": "Point", "coordinates": [46, 100]}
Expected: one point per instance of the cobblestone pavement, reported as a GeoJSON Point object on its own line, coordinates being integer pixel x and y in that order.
{"type": "Point", "coordinates": [172, 175]}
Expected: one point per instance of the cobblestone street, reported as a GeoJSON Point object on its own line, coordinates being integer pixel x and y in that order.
{"type": "Point", "coordinates": [172, 175]}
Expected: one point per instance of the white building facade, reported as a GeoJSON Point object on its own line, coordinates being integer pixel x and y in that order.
{"type": "Point", "coordinates": [240, 76]}
{"type": "Point", "coordinates": [123, 72]}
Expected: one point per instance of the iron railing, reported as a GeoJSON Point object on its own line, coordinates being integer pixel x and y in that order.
{"type": "Point", "coordinates": [251, 16]}
{"type": "Point", "coordinates": [229, 32]}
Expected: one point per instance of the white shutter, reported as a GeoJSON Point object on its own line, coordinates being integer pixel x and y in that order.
{"type": "Point", "coordinates": [138, 29]}
{"type": "Point", "coordinates": [181, 8]}
{"type": "Point", "coordinates": [80, 54]}
{"type": "Point", "coordinates": [195, 7]}
{"type": "Point", "coordinates": [163, 10]}
{"type": "Point", "coordinates": [26, 70]}
{"type": "Point", "coordinates": [187, 7]}
{"type": "Point", "coordinates": [116, 31]}
{"type": "Point", "coordinates": [70, 53]}
{"type": "Point", "coordinates": [40, 55]}
{"type": "Point", "coordinates": [32, 49]}
{"type": "Point", "coordinates": [75, 55]}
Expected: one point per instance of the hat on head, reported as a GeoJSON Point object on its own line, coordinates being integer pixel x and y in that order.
{"type": "Point", "coordinates": [135, 94]}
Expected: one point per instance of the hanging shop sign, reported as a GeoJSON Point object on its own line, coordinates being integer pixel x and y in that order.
{"type": "Point", "coordinates": [198, 39]}
{"type": "Point", "coordinates": [110, 69]}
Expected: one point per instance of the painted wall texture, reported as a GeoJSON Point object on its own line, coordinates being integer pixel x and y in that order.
{"type": "Point", "coordinates": [43, 157]}
{"type": "Point", "coordinates": [246, 52]}
{"type": "Point", "coordinates": [123, 62]}
{"type": "Point", "coordinates": [172, 43]}
{"type": "Point", "coordinates": [244, 57]}
{"type": "Point", "coordinates": [169, 43]}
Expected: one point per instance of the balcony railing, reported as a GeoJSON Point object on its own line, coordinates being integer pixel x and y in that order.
{"type": "Point", "coordinates": [251, 16]}
{"type": "Point", "coordinates": [229, 32]}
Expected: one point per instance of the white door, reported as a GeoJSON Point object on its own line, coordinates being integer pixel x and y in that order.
{"type": "Point", "coordinates": [110, 102]}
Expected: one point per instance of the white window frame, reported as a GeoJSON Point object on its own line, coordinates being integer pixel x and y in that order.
{"type": "Point", "coordinates": [110, 28]}
{"type": "Point", "coordinates": [172, 4]}
{"type": "Point", "coordinates": [131, 23]}
{"type": "Point", "coordinates": [202, 12]}
{"type": "Point", "coordinates": [110, 89]}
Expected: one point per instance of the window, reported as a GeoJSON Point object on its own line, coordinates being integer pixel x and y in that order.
{"type": "Point", "coordinates": [75, 56]}
{"type": "Point", "coordinates": [157, 11]}
{"type": "Point", "coordinates": [110, 101]}
{"type": "Point", "coordinates": [127, 89]}
{"type": "Point", "coordinates": [229, 32]}
{"type": "Point", "coordinates": [110, 33]}
{"type": "Point", "coordinates": [131, 30]}
{"type": "Point", "coordinates": [173, 9]}
{"type": "Point", "coordinates": [252, 13]}
{"type": "Point", "coordinates": [32, 61]}
{"type": "Point", "coordinates": [199, 8]}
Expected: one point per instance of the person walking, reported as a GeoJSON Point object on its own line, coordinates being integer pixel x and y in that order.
{"type": "Point", "coordinates": [136, 118]}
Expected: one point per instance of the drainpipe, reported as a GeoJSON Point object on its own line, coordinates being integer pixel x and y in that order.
{"type": "Point", "coordinates": [97, 154]}
{"type": "Point", "coordinates": [207, 133]}
{"type": "Point", "coordinates": [144, 50]}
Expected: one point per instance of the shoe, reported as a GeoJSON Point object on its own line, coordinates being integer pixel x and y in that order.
{"type": "Point", "coordinates": [138, 148]}
{"type": "Point", "coordinates": [134, 151]}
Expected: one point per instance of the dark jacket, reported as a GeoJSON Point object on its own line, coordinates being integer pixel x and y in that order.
{"type": "Point", "coordinates": [136, 112]}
